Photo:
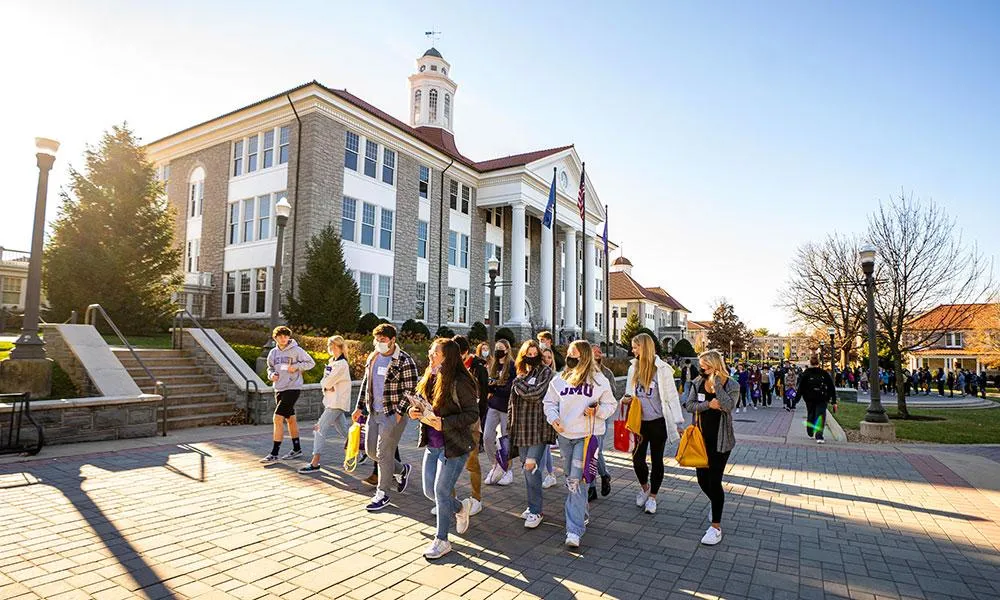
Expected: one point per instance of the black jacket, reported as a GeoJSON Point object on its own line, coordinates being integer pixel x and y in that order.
{"type": "Point", "coordinates": [458, 415]}
{"type": "Point", "coordinates": [816, 385]}
{"type": "Point", "coordinates": [482, 375]}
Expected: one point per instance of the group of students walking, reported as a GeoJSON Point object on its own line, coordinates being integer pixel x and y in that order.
{"type": "Point", "coordinates": [512, 405]}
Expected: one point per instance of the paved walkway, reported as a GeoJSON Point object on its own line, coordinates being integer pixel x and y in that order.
{"type": "Point", "coordinates": [198, 517]}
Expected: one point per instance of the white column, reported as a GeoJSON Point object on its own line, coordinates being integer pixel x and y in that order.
{"type": "Point", "coordinates": [517, 255]}
{"type": "Point", "coordinates": [590, 270]}
{"type": "Point", "coordinates": [569, 252]}
{"type": "Point", "coordinates": [546, 278]}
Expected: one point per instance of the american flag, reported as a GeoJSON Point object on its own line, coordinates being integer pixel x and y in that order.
{"type": "Point", "coordinates": [581, 199]}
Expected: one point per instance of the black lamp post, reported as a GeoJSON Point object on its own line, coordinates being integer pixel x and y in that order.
{"type": "Point", "coordinates": [614, 333]}
{"type": "Point", "coordinates": [833, 360]}
{"type": "Point", "coordinates": [875, 413]}
{"type": "Point", "coordinates": [28, 344]}
{"type": "Point", "coordinates": [281, 211]}
{"type": "Point", "coordinates": [493, 266]}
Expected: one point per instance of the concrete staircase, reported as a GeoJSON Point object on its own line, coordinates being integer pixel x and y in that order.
{"type": "Point", "coordinates": [194, 399]}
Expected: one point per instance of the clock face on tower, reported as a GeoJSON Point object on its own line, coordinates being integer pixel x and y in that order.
{"type": "Point", "coordinates": [563, 180]}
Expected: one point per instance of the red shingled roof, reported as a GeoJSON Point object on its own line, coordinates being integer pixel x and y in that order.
{"type": "Point", "coordinates": [958, 317]}
{"type": "Point", "coordinates": [623, 287]}
{"type": "Point", "coordinates": [517, 160]}
{"type": "Point", "coordinates": [668, 299]}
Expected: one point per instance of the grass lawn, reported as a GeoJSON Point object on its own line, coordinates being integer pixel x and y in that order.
{"type": "Point", "coordinates": [160, 341]}
{"type": "Point", "coordinates": [944, 425]}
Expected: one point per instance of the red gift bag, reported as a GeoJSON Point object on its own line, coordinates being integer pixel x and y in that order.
{"type": "Point", "coordinates": [624, 439]}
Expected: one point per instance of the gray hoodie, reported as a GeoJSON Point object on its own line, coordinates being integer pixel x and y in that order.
{"type": "Point", "coordinates": [279, 360]}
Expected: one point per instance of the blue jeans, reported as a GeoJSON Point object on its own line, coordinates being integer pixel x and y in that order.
{"type": "Point", "coordinates": [547, 460]}
{"type": "Point", "coordinates": [576, 494]}
{"type": "Point", "coordinates": [440, 475]}
{"type": "Point", "coordinates": [533, 479]}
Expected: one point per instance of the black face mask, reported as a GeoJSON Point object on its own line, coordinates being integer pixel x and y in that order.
{"type": "Point", "coordinates": [572, 362]}
{"type": "Point", "coordinates": [500, 353]}
{"type": "Point", "coordinates": [532, 361]}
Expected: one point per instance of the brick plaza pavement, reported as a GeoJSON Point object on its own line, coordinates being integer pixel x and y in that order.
{"type": "Point", "coordinates": [205, 520]}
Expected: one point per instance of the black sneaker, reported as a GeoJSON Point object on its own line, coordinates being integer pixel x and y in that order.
{"type": "Point", "coordinates": [310, 468]}
{"type": "Point", "coordinates": [605, 485]}
{"type": "Point", "coordinates": [591, 494]}
{"type": "Point", "coordinates": [362, 458]}
{"type": "Point", "coordinates": [403, 479]}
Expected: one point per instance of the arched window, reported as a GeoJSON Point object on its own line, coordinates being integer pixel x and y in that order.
{"type": "Point", "coordinates": [447, 110]}
{"type": "Point", "coordinates": [416, 106]}
{"type": "Point", "coordinates": [432, 105]}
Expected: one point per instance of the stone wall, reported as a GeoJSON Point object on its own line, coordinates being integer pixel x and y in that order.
{"type": "Point", "coordinates": [57, 349]}
{"type": "Point", "coordinates": [91, 419]}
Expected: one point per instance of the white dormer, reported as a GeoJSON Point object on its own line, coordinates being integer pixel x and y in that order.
{"type": "Point", "coordinates": [432, 93]}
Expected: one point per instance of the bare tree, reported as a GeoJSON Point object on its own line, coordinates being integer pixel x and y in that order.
{"type": "Point", "coordinates": [823, 290]}
{"type": "Point", "coordinates": [922, 263]}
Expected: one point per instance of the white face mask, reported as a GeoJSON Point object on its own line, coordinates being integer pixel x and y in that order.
{"type": "Point", "coordinates": [543, 345]}
{"type": "Point", "coordinates": [486, 353]}
{"type": "Point", "coordinates": [382, 347]}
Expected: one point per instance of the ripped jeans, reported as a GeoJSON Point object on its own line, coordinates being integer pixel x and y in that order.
{"type": "Point", "coordinates": [571, 451]}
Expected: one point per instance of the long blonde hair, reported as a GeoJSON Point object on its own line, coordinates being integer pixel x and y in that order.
{"type": "Point", "coordinates": [586, 369]}
{"type": "Point", "coordinates": [714, 358]}
{"type": "Point", "coordinates": [646, 361]}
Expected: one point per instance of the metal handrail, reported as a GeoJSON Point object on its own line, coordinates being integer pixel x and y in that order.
{"type": "Point", "coordinates": [177, 341]}
{"type": "Point", "coordinates": [158, 386]}
{"type": "Point", "coordinates": [16, 421]}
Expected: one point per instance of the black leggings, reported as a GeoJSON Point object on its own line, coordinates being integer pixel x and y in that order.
{"type": "Point", "coordinates": [653, 434]}
{"type": "Point", "coordinates": [710, 480]}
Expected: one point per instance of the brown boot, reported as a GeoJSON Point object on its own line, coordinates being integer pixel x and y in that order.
{"type": "Point", "coordinates": [371, 479]}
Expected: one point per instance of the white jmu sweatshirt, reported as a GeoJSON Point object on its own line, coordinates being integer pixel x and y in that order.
{"type": "Point", "coordinates": [567, 403]}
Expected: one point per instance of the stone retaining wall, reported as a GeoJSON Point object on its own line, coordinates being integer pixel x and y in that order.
{"type": "Point", "coordinates": [58, 350]}
{"type": "Point", "coordinates": [90, 419]}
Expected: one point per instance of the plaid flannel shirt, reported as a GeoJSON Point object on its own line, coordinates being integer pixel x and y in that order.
{"type": "Point", "coordinates": [401, 376]}
{"type": "Point", "coordinates": [526, 419]}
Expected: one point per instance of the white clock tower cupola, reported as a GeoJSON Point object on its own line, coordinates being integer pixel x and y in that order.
{"type": "Point", "coordinates": [432, 93]}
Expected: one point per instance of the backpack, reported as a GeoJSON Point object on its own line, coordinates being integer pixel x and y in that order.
{"type": "Point", "coordinates": [816, 388]}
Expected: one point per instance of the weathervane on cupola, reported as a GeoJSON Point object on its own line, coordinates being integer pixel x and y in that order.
{"type": "Point", "coordinates": [432, 90]}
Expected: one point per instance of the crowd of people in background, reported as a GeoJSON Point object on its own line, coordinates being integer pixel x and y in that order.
{"type": "Point", "coordinates": [923, 380]}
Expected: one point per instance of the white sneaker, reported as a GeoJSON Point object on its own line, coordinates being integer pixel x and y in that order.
{"type": "Point", "coordinates": [755, 407]}
{"type": "Point", "coordinates": [712, 537]}
{"type": "Point", "coordinates": [640, 498]}
{"type": "Point", "coordinates": [572, 540]}
{"type": "Point", "coordinates": [525, 514]}
{"type": "Point", "coordinates": [506, 479]}
{"type": "Point", "coordinates": [737, 411]}
{"type": "Point", "coordinates": [492, 477]}
{"type": "Point", "coordinates": [477, 507]}
{"type": "Point", "coordinates": [820, 441]}
{"type": "Point", "coordinates": [437, 549]}
{"type": "Point", "coordinates": [549, 481]}
{"type": "Point", "coordinates": [462, 516]}
{"type": "Point", "coordinates": [434, 511]}
{"type": "Point", "coordinates": [532, 520]}
{"type": "Point", "coordinates": [650, 506]}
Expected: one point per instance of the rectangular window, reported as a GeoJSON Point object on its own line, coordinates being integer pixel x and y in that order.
{"type": "Point", "coordinates": [351, 144]}
{"type": "Point", "coordinates": [368, 224]}
{"type": "Point", "coordinates": [234, 223]}
{"type": "Point", "coordinates": [453, 248]}
{"type": "Point", "coordinates": [264, 217]}
{"type": "Point", "coordinates": [453, 194]}
{"type": "Point", "coordinates": [230, 293]}
{"type": "Point", "coordinates": [384, 293]}
{"type": "Point", "coordinates": [527, 279]}
{"type": "Point", "coordinates": [193, 209]}
{"type": "Point", "coordinates": [466, 197]}
{"type": "Point", "coordinates": [190, 256]}
{"type": "Point", "coordinates": [11, 291]}
{"type": "Point", "coordinates": [261, 291]}
{"type": "Point", "coordinates": [498, 217]}
{"type": "Point", "coordinates": [245, 291]}
{"type": "Point", "coordinates": [248, 220]}
{"type": "Point", "coordinates": [252, 154]}
{"type": "Point", "coordinates": [371, 158]}
{"type": "Point", "coordinates": [365, 287]}
{"type": "Point", "coordinates": [268, 158]}
{"type": "Point", "coordinates": [465, 252]}
{"type": "Point", "coordinates": [348, 221]}
{"type": "Point", "coordinates": [599, 288]}
{"type": "Point", "coordinates": [388, 166]}
{"type": "Point", "coordinates": [385, 236]}
{"type": "Point", "coordinates": [450, 305]}
{"type": "Point", "coordinates": [425, 182]}
{"type": "Point", "coordinates": [421, 307]}
{"type": "Point", "coordinates": [283, 139]}
{"type": "Point", "coordinates": [237, 158]}
{"type": "Point", "coordinates": [422, 227]}
{"type": "Point", "coordinates": [463, 306]}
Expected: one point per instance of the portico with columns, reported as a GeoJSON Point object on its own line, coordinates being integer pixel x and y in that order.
{"type": "Point", "coordinates": [524, 191]}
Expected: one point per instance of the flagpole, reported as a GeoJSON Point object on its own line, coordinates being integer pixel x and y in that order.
{"type": "Point", "coordinates": [607, 285]}
{"type": "Point", "coordinates": [583, 218]}
{"type": "Point", "coordinates": [555, 268]}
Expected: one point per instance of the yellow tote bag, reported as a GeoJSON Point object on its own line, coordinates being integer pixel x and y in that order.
{"type": "Point", "coordinates": [634, 420]}
{"type": "Point", "coordinates": [353, 447]}
{"type": "Point", "coordinates": [691, 450]}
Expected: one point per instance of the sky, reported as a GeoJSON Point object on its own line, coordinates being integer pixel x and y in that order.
{"type": "Point", "coordinates": [722, 135]}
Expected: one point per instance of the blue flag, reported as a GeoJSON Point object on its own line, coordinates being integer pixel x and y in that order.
{"type": "Point", "coordinates": [605, 233]}
{"type": "Point", "coordinates": [551, 206]}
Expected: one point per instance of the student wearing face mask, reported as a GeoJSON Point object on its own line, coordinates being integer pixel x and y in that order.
{"type": "Point", "coordinates": [530, 434]}
{"type": "Point", "coordinates": [483, 352]}
{"type": "Point", "coordinates": [577, 404]}
{"type": "Point", "coordinates": [545, 342]}
{"type": "Point", "coordinates": [651, 383]}
{"type": "Point", "coordinates": [713, 396]}
{"type": "Point", "coordinates": [501, 377]}
{"type": "Point", "coordinates": [446, 433]}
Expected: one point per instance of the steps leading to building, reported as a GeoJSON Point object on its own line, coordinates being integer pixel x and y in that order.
{"type": "Point", "coordinates": [193, 397]}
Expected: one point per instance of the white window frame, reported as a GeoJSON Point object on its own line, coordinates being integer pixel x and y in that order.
{"type": "Point", "coordinates": [464, 252]}
{"type": "Point", "coordinates": [239, 146]}
{"type": "Point", "coordinates": [466, 199]}
{"type": "Point", "coordinates": [374, 224]}
{"type": "Point", "coordinates": [388, 166]}
{"type": "Point", "coordinates": [424, 185]}
{"type": "Point", "coordinates": [385, 235]}
{"type": "Point", "coordinates": [432, 103]}
{"type": "Point", "coordinates": [264, 201]}
{"type": "Point", "coordinates": [349, 137]}
{"type": "Point", "coordinates": [284, 141]}
{"type": "Point", "coordinates": [371, 148]}
{"type": "Point", "coordinates": [423, 241]}
{"type": "Point", "coordinates": [387, 297]}
{"type": "Point", "coordinates": [247, 224]}
{"type": "Point", "coordinates": [420, 307]}
{"type": "Point", "coordinates": [365, 309]}
{"type": "Point", "coordinates": [353, 202]}
{"type": "Point", "coordinates": [453, 195]}
{"type": "Point", "coordinates": [266, 152]}
{"type": "Point", "coordinates": [453, 248]}
{"type": "Point", "coordinates": [253, 149]}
